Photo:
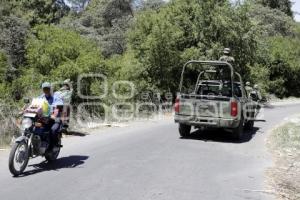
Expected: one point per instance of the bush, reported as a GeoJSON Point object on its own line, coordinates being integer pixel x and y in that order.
{"type": "Point", "coordinates": [57, 54]}
{"type": "Point", "coordinates": [164, 40]}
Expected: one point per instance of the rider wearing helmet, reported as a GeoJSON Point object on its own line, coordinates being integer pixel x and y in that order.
{"type": "Point", "coordinates": [226, 56]}
{"type": "Point", "coordinates": [54, 101]}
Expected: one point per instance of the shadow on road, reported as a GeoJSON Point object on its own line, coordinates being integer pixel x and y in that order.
{"type": "Point", "coordinates": [221, 136]}
{"type": "Point", "coordinates": [75, 133]}
{"type": "Point", "coordinates": [60, 163]}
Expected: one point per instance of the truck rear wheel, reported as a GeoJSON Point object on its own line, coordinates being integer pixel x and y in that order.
{"type": "Point", "coordinates": [249, 125]}
{"type": "Point", "coordinates": [184, 130]}
{"type": "Point", "coordinates": [238, 132]}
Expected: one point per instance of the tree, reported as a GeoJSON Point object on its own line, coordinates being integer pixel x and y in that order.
{"type": "Point", "coordinates": [42, 11]}
{"type": "Point", "coordinates": [13, 32]}
{"type": "Point", "coordinates": [271, 22]}
{"type": "Point", "coordinates": [56, 54]}
{"type": "Point", "coordinates": [61, 53]}
{"type": "Point", "coordinates": [3, 67]}
{"type": "Point", "coordinates": [282, 5]}
{"type": "Point", "coordinates": [284, 66]}
{"type": "Point", "coordinates": [104, 21]}
{"type": "Point", "coordinates": [190, 29]}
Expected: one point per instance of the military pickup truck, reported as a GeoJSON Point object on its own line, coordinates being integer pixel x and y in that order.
{"type": "Point", "coordinates": [217, 100]}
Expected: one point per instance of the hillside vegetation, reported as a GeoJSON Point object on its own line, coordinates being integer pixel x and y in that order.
{"type": "Point", "coordinates": [143, 41]}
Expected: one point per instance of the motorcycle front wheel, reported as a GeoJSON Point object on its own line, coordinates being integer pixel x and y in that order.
{"type": "Point", "coordinates": [18, 158]}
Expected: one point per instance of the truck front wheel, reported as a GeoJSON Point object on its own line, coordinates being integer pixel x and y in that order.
{"type": "Point", "coordinates": [184, 130]}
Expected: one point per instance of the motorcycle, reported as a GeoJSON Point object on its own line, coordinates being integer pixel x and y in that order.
{"type": "Point", "coordinates": [33, 142]}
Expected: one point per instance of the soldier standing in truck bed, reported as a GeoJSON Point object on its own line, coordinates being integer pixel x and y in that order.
{"type": "Point", "coordinates": [226, 56]}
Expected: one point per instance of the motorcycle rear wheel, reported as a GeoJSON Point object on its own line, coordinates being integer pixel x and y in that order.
{"type": "Point", "coordinates": [52, 156]}
{"type": "Point", "coordinates": [20, 157]}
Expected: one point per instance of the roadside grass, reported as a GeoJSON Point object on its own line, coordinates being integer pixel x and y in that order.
{"type": "Point", "coordinates": [8, 127]}
{"type": "Point", "coordinates": [4, 141]}
{"type": "Point", "coordinates": [82, 124]}
{"type": "Point", "coordinates": [7, 131]}
{"type": "Point", "coordinates": [284, 177]}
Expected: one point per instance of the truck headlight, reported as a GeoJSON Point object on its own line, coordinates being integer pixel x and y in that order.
{"type": "Point", "coordinates": [26, 123]}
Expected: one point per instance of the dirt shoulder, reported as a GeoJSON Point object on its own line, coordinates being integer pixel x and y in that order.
{"type": "Point", "coordinates": [284, 144]}
{"type": "Point", "coordinates": [283, 102]}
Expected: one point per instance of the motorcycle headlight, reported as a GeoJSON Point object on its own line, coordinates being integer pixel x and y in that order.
{"type": "Point", "coordinates": [26, 123]}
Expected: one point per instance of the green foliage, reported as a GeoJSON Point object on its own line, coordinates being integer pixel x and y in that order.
{"type": "Point", "coordinates": [128, 68]}
{"type": "Point", "coordinates": [61, 53]}
{"type": "Point", "coordinates": [260, 75]}
{"type": "Point", "coordinates": [271, 22]}
{"type": "Point", "coordinates": [27, 85]}
{"type": "Point", "coordinates": [13, 32]}
{"type": "Point", "coordinates": [147, 45]}
{"type": "Point", "coordinates": [282, 5]}
{"type": "Point", "coordinates": [3, 66]}
{"type": "Point", "coordinates": [285, 66]}
{"type": "Point", "coordinates": [105, 22]}
{"type": "Point", "coordinates": [58, 54]}
{"type": "Point", "coordinates": [182, 30]}
{"type": "Point", "coordinates": [43, 11]}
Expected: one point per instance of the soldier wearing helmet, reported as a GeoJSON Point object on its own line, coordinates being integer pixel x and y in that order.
{"type": "Point", "coordinates": [257, 92]}
{"type": "Point", "coordinates": [226, 56]}
{"type": "Point", "coordinates": [248, 88]}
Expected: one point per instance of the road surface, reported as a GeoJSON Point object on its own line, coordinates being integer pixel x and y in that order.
{"type": "Point", "coordinates": [149, 161]}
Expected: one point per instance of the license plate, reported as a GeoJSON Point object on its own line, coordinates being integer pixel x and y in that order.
{"type": "Point", "coordinates": [30, 115]}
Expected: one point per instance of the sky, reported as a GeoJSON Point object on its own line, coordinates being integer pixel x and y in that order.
{"type": "Point", "coordinates": [296, 8]}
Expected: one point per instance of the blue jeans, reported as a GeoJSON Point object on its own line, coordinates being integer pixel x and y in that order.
{"type": "Point", "coordinates": [55, 128]}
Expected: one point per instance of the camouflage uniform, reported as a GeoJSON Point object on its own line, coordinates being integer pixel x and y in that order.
{"type": "Point", "coordinates": [257, 92]}
{"type": "Point", "coordinates": [228, 59]}
{"type": "Point", "coordinates": [248, 89]}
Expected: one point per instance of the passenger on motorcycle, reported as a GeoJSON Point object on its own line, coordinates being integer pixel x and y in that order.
{"type": "Point", "coordinates": [55, 102]}
{"type": "Point", "coordinates": [65, 93]}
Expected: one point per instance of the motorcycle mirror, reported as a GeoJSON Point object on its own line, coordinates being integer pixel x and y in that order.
{"type": "Point", "coordinates": [26, 100]}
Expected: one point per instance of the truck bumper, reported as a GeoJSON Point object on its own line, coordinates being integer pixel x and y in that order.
{"type": "Point", "coordinates": [207, 122]}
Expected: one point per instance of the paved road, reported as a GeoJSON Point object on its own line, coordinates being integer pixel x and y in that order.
{"type": "Point", "coordinates": [148, 161]}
